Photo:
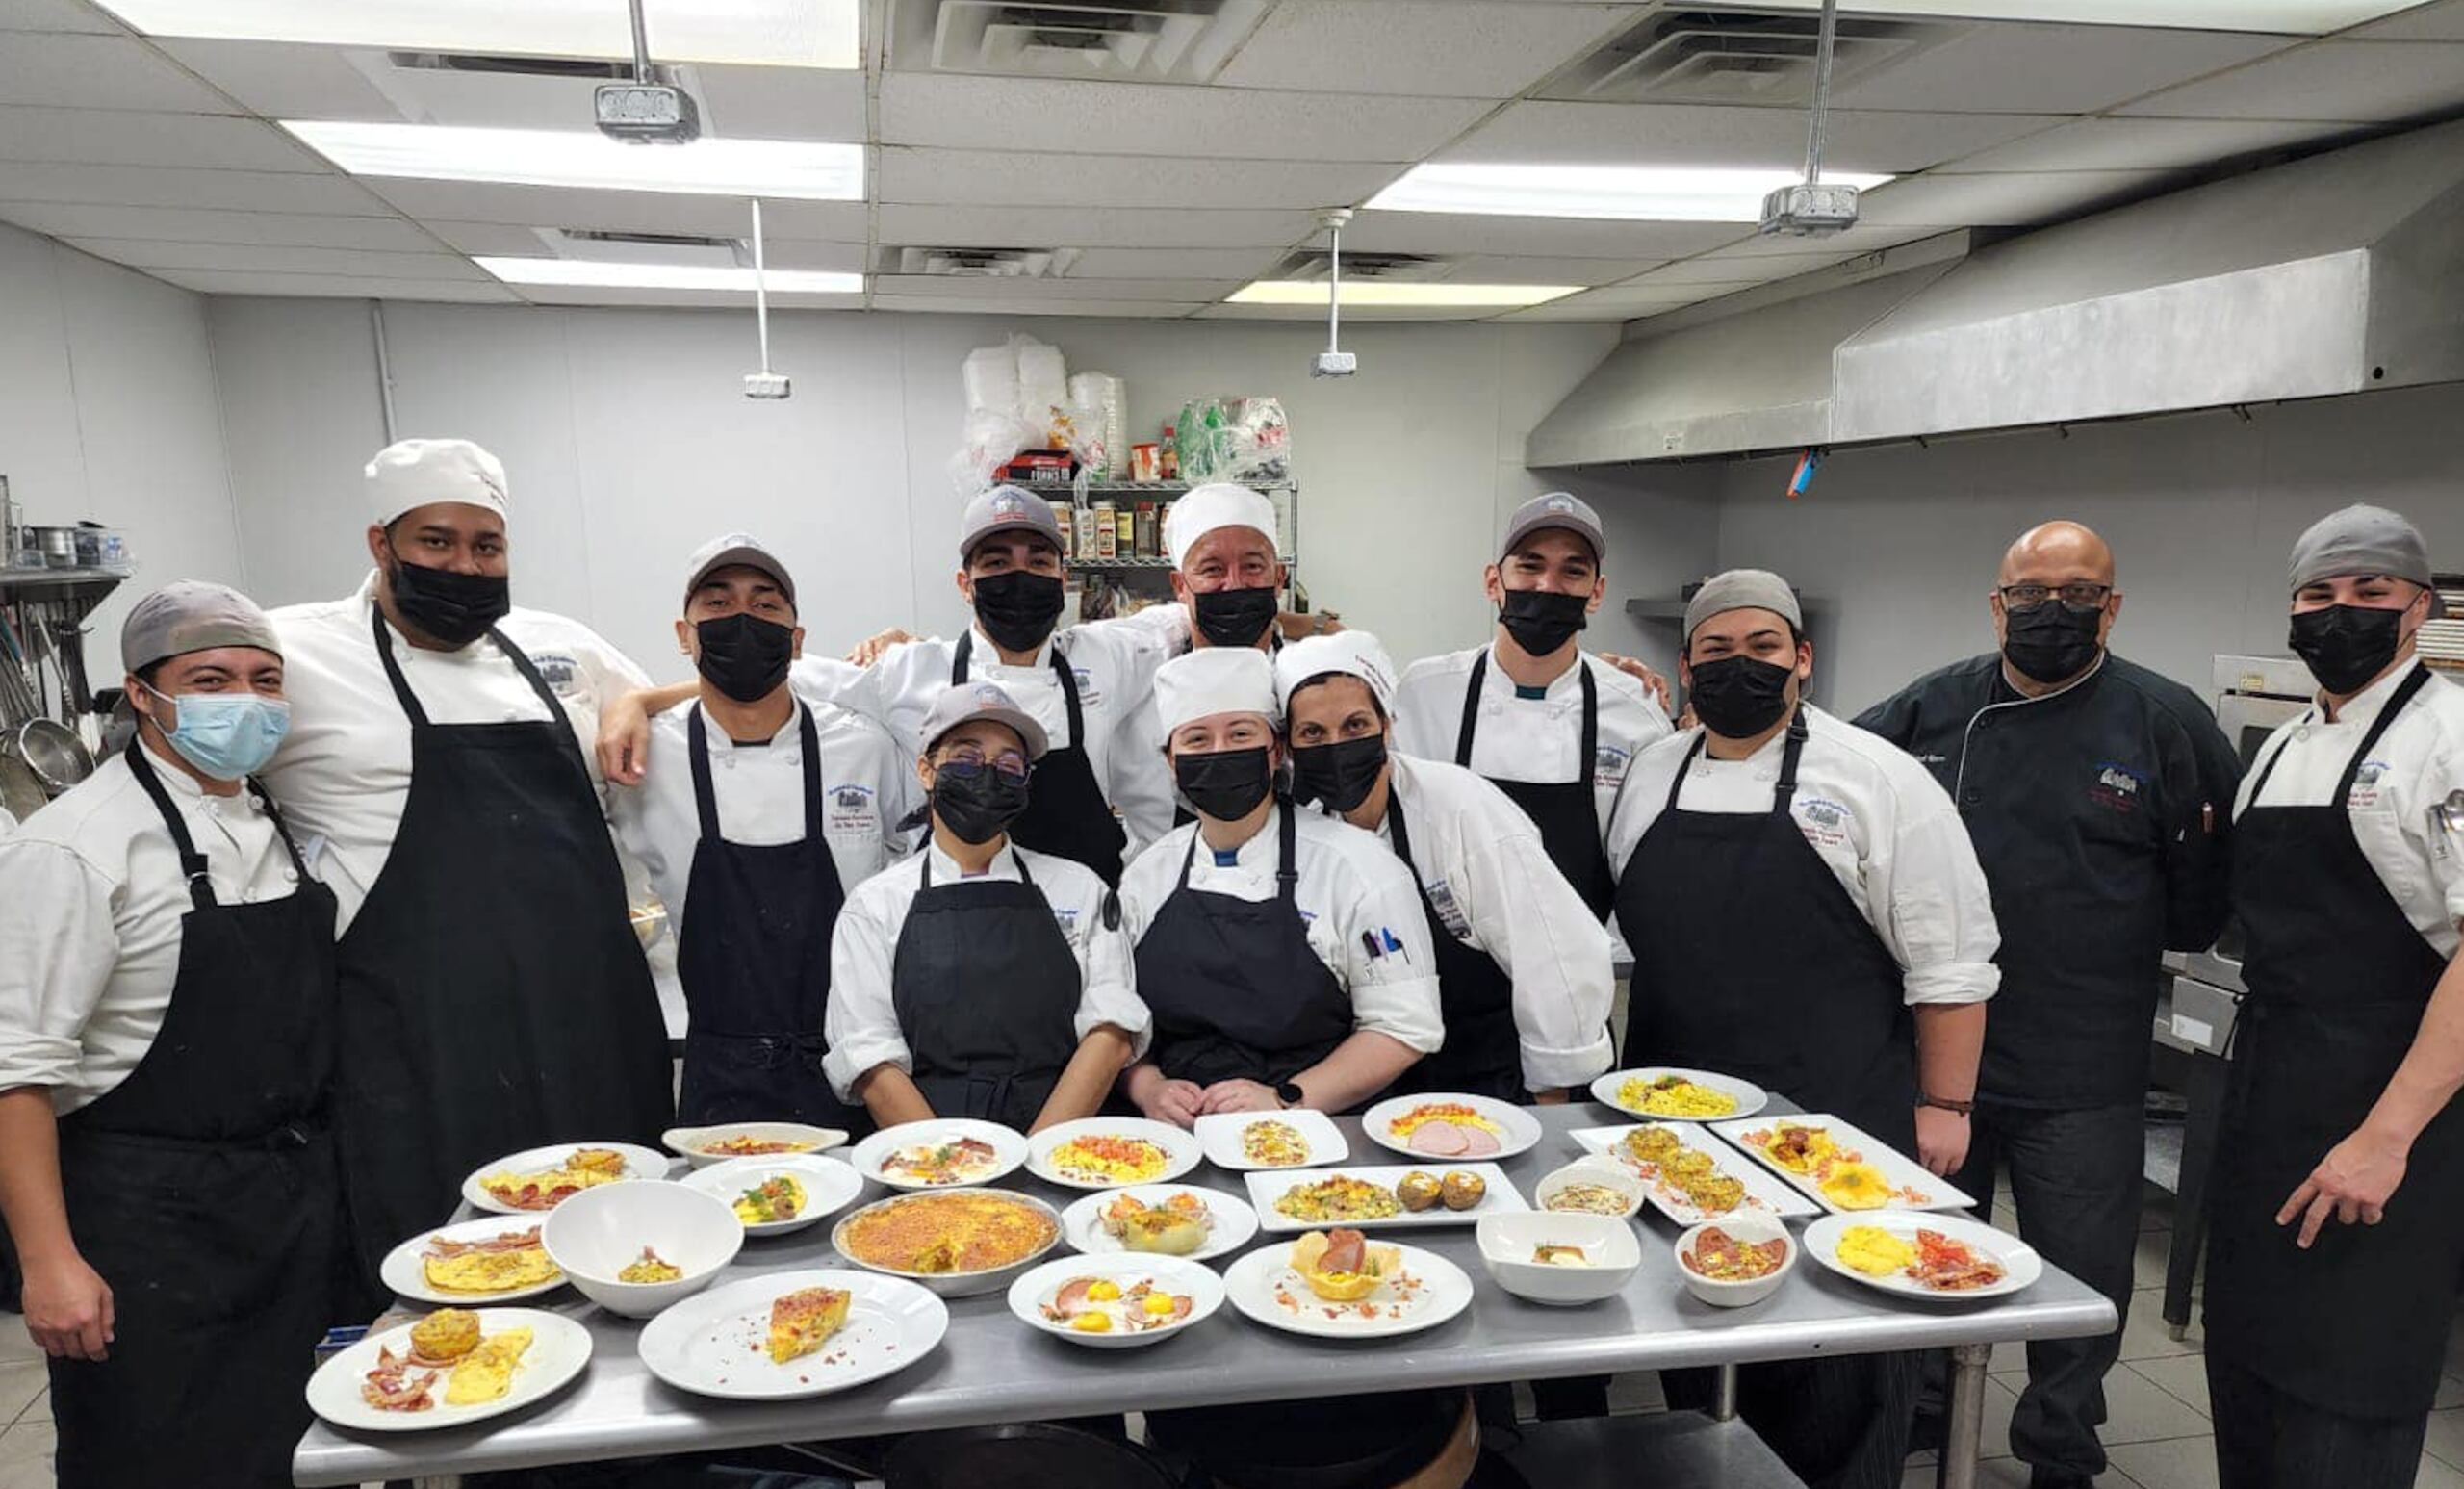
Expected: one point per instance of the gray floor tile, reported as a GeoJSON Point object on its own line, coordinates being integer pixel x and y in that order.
{"type": "Point", "coordinates": [30, 1444]}
{"type": "Point", "coordinates": [2450, 1391]}
{"type": "Point", "coordinates": [2142, 1334]}
{"type": "Point", "coordinates": [2001, 1474]}
{"type": "Point", "coordinates": [16, 1344]}
{"type": "Point", "coordinates": [2144, 1412]}
{"type": "Point", "coordinates": [2181, 1463]}
{"type": "Point", "coordinates": [2435, 1475]}
{"type": "Point", "coordinates": [2446, 1442]}
{"type": "Point", "coordinates": [2183, 1377]}
{"type": "Point", "coordinates": [21, 1385]}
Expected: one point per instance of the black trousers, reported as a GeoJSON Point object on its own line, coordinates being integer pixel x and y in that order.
{"type": "Point", "coordinates": [2267, 1440]}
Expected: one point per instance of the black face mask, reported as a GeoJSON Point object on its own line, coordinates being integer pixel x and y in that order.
{"type": "Point", "coordinates": [1236, 617]}
{"type": "Point", "coordinates": [448, 605]}
{"type": "Point", "coordinates": [1340, 774]}
{"type": "Point", "coordinates": [2050, 642]}
{"type": "Point", "coordinates": [744, 656]}
{"type": "Point", "coordinates": [1540, 620]}
{"type": "Point", "coordinates": [2347, 645]}
{"type": "Point", "coordinates": [1739, 697]}
{"type": "Point", "coordinates": [1226, 786]}
{"type": "Point", "coordinates": [977, 805]}
{"type": "Point", "coordinates": [1017, 608]}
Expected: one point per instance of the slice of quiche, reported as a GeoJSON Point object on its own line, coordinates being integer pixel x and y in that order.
{"type": "Point", "coordinates": [802, 1320]}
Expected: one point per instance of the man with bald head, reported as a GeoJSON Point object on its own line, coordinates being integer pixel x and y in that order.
{"type": "Point", "coordinates": [2097, 794]}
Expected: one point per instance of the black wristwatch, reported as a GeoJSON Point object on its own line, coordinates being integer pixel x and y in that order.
{"type": "Point", "coordinates": [1944, 1103]}
{"type": "Point", "coordinates": [1290, 1094]}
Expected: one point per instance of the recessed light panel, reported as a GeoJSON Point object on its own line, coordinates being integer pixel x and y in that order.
{"type": "Point", "coordinates": [1647, 194]}
{"type": "Point", "coordinates": [753, 33]}
{"type": "Point", "coordinates": [1374, 292]}
{"type": "Point", "coordinates": [2277, 17]}
{"type": "Point", "coordinates": [788, 168]}
{"type": "Point", "coordinates": [595, 273]}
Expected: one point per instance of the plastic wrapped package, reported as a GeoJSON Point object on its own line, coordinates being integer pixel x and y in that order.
{"type": "Point", "coordinates": [991, 378]}
{"type": "Point", "coordinates": [1105, 401]}
{"type": "Point", "coordinates": [1199, 436]}
{"type": "Point", "coordinates": [987, 442]}
{"type": "Point", "coordinates": [1044, 378]}
{"type": "Point", "coordinates": [1258, 442]}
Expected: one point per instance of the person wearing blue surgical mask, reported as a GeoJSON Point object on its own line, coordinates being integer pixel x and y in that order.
{"type": "Point", "coordinates": [166, 1029]}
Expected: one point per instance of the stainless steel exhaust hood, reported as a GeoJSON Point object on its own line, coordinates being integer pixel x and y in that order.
{"type": "Point", "coordinates": [2332, 274]}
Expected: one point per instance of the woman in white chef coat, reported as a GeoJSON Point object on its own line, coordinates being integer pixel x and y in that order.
{"type": "Point", "coordinates": [771, 810]}
{"type": "Point", "coordinates": [1523, 965]}
{"type": "Point", "coordinates": [166, 1051]}
{"type": "Point", "coordinates": [2336, 1216]}
{"type": "Point", "coordinates": [978, 978]}
{"type": "Point", "coordinates": [1284, 954]}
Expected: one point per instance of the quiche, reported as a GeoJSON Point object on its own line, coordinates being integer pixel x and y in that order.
{"type": "Point", "coordinates": [800, 1322]}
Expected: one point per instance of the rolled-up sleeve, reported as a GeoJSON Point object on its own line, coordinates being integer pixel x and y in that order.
{"type": "Point", "coordinates": [862, 1021]}
{"type": "Point", "coordinates": [1940, 921]}
{"type": "Point", "coordinates": [1393, 994]}
{"type": "Point", "coordinates": [1107, 990]}
{"type": "Point", "coordinates": [55, 920]}
{"type": "Point", "coordinates": [1532, 923]}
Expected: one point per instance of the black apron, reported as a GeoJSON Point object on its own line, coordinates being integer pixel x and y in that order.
{"type": "Point", "coordinates": [1750, 959]}
{"type": "Point", "coordinates": [1567, 812]}
{"type": "Point", "coordinates": [494, 997]}
{"type": "Point", "coordinates": [986, 993]}
{"type": "Point", "coordinates": [755, 961]}
{"type": "Point", "coordinates": [1235, 989]}
{"type": "Point", "coordinates": [1068, 814]}
{"type": "Point", "coordinates": [1483, 1050]}
{"type": "Point", "coordinates": [2338, 981]}
{"type": "Point", "coordinates": [202, 1189]}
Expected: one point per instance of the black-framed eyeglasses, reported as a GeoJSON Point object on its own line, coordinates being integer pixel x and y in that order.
{"type": "Point", "coordinates": [966, 761]}
{"type": "Point", "coordinates": [2082, 597]}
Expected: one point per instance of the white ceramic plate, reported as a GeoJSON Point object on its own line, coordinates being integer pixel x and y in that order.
{"type": "Point", "coordinates": [2020, 1265]}
{"type": "Point", "coordinates": [640, 1163]}
{"type": "Point", "coordinates": [1911, 1187]}
{"type": "Point", "coordinates": [1517, 1130]}
{"type": "Point", "coordinates": [1763, 1190]}
{"type": "Point", "coordinates": [1262, 1285]}
{"type": "Point", "coordinates": [952, 1284]}
{"type": "Point", "coordinates": [828, 1185]}
{"type": "Point", "coordinates": [1749, 1097]}
{"type": "Point", "coordinates": [1219, 1135]}
{"type": "Point", "coordinates": [402, 1271]}
{"type": "Point", "coordinates": [559, 1347]}
{"type": "Point", "coordinates": [1265, 1189]}
{"type": "Point", "coordinates": [1008, 1151]}
{"type": "Point", "coordinates": [1033, 1291]}
{"type": "Point", "coordinates": [1082, 1224]}
{"type": "Point", "coordinates": [696, 1144]}
{"type": "Point", "coordinates": [715, 1343]}
{"type": "Point", "coordinates": [1180, 1150]}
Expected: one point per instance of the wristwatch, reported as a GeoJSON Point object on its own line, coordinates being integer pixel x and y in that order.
{"type": "Point", "coordinates": [1962, 1108]}
{"type": "Point", "coordinates": [1290, 1094]}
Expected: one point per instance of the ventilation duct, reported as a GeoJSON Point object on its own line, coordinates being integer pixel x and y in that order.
{"type": "Point", "coordinates": [1313, 266]}
{"type": "Point", "coordinates": [1143, 40]}
{"type": "Point", "coordinates": [978, 263]}
{"type": "Point", "coordinates": [1738, 56]}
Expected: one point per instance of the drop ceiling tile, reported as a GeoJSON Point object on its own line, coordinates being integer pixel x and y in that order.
{"type": "Point", "coordinates": [780, 103]}
{"type": "Point", "coordinates": [153, 186]}
{"type": "Point", "coordinates": [1351, 313]}
{"type": "Point", "coordinates": [995, 178]}
{"type": "Point", "coordinates": [2361, 80]}
{"type": "Point", "coordinates": [227, 281]}
{"type": "Point", "coordinates": [358, 262]}
{"type": "Point", "coordinates": [1620, 134]}
{"type": "Point", "coordinates": [2442, 20]}
{"type": "Point", "coordinates": [55, 16]}
{"type": "Point", "coordinates": [950, 111]}
{"type": "Point", "coordinates": [1737, 269]}
{"type": "Point", "coordinates": [1441, 48]}
{"type": "Point", "coordinates": [1241, 263]}
{"type": "Point", "coordinates": [509, 240]}
{"type": "Point", "coordinates": [2007, 199]}
{"type": "Point", "coordinates": [1620, 302]}
{"type": "Point", "coordinates": [180, 225]}
{"type": "Point", "coordinates": [714, 299]}
{"type": "Point", "coordinates": [637, 211]}
{"type": "Point", "coordinates": [1140, 310]}
{"type": "Point", "coordinates": [98, 72]}
{"type": "Point", "coordinates": [838, 258]}
{"type": "Point", "coordinates": [1865, 237]}
{"type": "Point", "coordinates": [115, 136]}
{"type": "Point", "coordinates": [288, 81]}
{"type": "Point", "coordinates": [1064, 226]}
{"type": "Point", "coordinates": [2013, 68]}
{"type": "Point", "coordinates": [1575, 238]}
{"type": "Point", "coordinates": [1519, 268]}
{"type": "Point", "coordinates": [962, 288]}
{"type": "Point", "coordinates": [2144, 144]}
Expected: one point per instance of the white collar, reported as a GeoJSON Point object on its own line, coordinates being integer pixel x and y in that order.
{"type": "Point", "coordinates": [946, 870]}
{"type": "Point", "coordinates": [1558, 688]}
{"type": "Point", "coordinates": [720, 741]}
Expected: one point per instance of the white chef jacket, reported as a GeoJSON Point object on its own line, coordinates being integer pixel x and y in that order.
{"type": "Point", "coordinates": [863, 1020]}
{"type": "Point", "coordinates": [1489, 879]}
{"type": "Point", "coordinates": [91, 898]}
{"type": "Point", "coordinates": [2415, 764]}
{"type": "Point", "coordinates": [1878, 820]}
{"type": "Point", "coordinates": [1350, 887]}
{"type": "Point", "coordinates": [342, 775]}
{"type": "Point", "coordinates": [759, 790]}
{"type": "Point", "coordinates": [1522, 738]}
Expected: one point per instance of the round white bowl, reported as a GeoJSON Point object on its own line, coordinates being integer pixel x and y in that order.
{"type": "Point", "coordinates": [1507, 1243]}
{"type": "Point", "coordinates": [1744, 1228]}
{"type": "Point", "coordinates": [830, 1186]}
{"type": "Point", "coordinates": [1601, 1169]}
{"type": "Point", "coordinates": [693, 1142]}
{"type": "Point", "coordinates": [1199, 1284]}
{"type": "Point", "coordinates": [600, 1232]}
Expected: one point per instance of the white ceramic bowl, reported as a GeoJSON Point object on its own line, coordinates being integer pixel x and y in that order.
{"type": "Point", "coordinates": [1744, 1226]}
{"type": "Point", "coordinates": [1507, 1241]}
{"type": "Point", "coordinates": [830, 1186]}
{"type": "Point", "coordinates": [1198, 1284]}
{"type": "Point", "coordinates": [1009, 1151]}
{"type": "Point", "coordinates": [1599, 1169]}
{"type": "Point", "coordinates": [694, 1142]}
{"type": "Point", "coordinates": [600, 1232]}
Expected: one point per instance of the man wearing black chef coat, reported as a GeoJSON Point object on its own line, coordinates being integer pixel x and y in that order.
{"type": "Point", "coordinates": [2336, 1216]}
{"type": "Point", "coordinates": [2095, 792]}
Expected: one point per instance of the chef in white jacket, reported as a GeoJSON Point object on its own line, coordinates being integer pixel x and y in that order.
{"type": "Point", "coordinates": [1523, 965]}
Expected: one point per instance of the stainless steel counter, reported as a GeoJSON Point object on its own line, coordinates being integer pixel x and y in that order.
{"type": "Point", "coordinates": [990, 1368]}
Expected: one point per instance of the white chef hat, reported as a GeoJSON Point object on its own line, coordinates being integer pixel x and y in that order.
{"type": "Point", "coordinates": [411, 473]}
{"type": "Point", "coordinates": [1206, 508]}
{"type": "Point", "coordinates": [1216, 679]}
{"type": "Point", "coordinates": [1355, 654]}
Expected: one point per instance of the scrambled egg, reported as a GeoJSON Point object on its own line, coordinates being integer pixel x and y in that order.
{"type": "Point", "coordinates": [1856, 1185]}
{"type": "Point", "coordinates": [1673, 1095]}
{"type": "Point", "coordinates": [651, 1268]}
{"type": "Point", "coordinates": [1874, 1251]}
{"type": "Point", "coordinates": [487, 1371]}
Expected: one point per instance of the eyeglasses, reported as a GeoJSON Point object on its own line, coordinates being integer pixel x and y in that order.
{"type": "Point", "coordinates": [967, 760]}
{"type": "Point", "coordinates": [2082, 597]}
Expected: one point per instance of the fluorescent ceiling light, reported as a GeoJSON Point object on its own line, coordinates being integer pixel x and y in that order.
{"type": "Point", "coordinates": [758, 33]}
{"type": "Point", "coordinates": [1392, 292]}
{"type": "Point", "coordinates": [597, 273]}
{"type": "Point", "coordinates": [2294, 17]}
{"type": "Point", "coordinates": [1651, 194]}
{"type": "Point", "coordinates": [557, 157]}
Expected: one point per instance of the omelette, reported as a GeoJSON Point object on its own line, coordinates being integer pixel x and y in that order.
{"type": "Point", "coordinates": [500, 1264]}
{"type": "Point", "coordinates": [486, 1373]}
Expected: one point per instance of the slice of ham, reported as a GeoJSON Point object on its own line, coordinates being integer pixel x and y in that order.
{"type": "Point", "coordinates": [1438, 1139]}
{"type": "Point", "coordinates": [1181, 1304]}
{"type": "Point", "coordinates": [1346, 1251]}
{"type": "Point", "coordinates": [1072, 1297]}
{"type": "Point", "coordinates": [1478, 1142]}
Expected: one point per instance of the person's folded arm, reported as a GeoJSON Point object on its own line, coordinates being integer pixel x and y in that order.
{"type": "Point", "coordinates": [1533, 924]}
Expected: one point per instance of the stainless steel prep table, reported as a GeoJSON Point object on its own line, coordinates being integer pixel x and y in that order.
{"type": "Point", "coordinates": [990, 1368]}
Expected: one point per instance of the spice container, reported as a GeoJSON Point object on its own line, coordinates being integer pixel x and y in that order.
{"type": "Point", "coordinates": [1145, 464]}
{"type": "Point", "coordinates": [1126, 528]}
{"type": "Point", "coordinates": [1064, 515]}
{"type": "Point", "coordinates": [1107, 532]}
{"type": "Point", "coordinates": [1148, 546]}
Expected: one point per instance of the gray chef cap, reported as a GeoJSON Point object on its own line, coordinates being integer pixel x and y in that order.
{"type": "Point", "coordinates": [2360, 539]}
{"type": "Point", "coordinates": [1743, 589]}
{"type": "Point", "coordinates": [188, 615]}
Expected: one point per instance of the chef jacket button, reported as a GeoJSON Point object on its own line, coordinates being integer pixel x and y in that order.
{"type": "Point", "coordinates": [1986, 722]}
{"type": "Point", "coordinates": [1970, 797]}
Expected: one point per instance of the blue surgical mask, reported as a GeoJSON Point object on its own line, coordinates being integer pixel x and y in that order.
{"type": "Point", "coordinates": [229, 736]}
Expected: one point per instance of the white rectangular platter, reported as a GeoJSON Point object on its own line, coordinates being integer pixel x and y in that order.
{"type": "Point", "coordinates": [1266, 1188]}
{"type": "Point", "coordinates": [1911, 1187]}
{"type": "Point", "coordinates": [1765, 1194]}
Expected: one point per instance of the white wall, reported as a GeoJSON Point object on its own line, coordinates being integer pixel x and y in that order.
{"type": "Point", "coordinates": [2201, 510]}
{"type": "Point", "coordinates": [108, 413]}
{"type": "Point", "coordinates": [628, 440]}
